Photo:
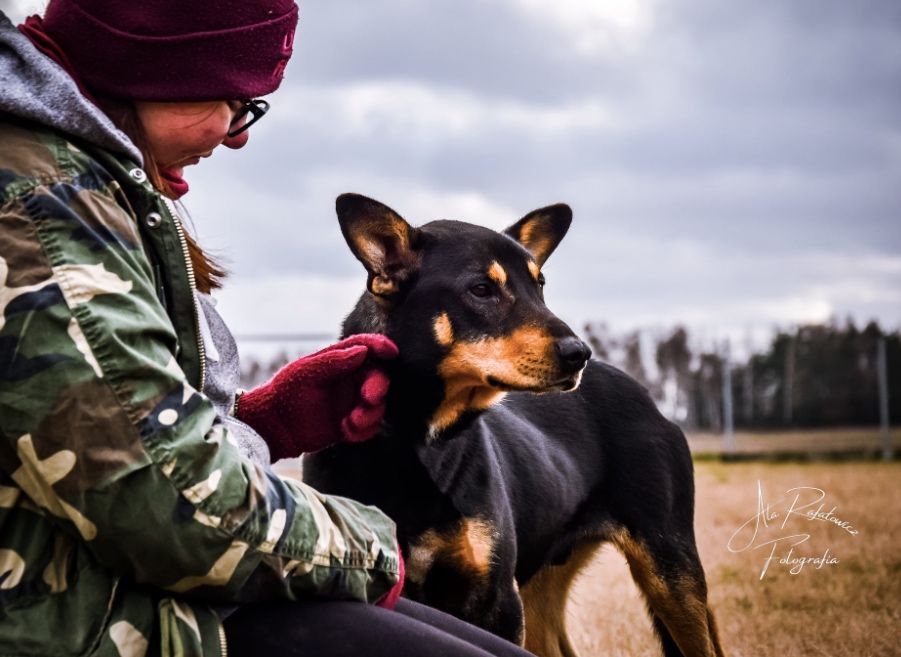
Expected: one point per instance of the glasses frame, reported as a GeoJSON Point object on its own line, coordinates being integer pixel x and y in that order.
{"type": "Point", "coordinates": [257, 109]}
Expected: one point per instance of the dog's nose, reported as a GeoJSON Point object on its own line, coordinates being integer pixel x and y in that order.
{"type": "Point", "coordinates": [573, 353]}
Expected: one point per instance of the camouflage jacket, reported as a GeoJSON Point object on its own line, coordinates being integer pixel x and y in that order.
{"type": "Point", "coordinates": [126, 510]}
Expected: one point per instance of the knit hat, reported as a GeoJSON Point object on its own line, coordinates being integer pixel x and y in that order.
{"type": "Point", "coordinates": [175, 50]}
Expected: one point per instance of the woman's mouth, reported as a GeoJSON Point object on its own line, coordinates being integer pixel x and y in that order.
{"type": "Point", "coordinates": [188, 161]}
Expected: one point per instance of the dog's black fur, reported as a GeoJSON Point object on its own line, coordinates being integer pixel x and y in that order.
{"type": "Point", "coordinates": [499, 502]}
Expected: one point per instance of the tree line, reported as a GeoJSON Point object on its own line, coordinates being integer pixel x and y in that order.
{"type": "Point", "coordinates": [815, 375]}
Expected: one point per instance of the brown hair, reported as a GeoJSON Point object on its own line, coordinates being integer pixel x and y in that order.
{"type": "Point", "coordinates": [207, 272]}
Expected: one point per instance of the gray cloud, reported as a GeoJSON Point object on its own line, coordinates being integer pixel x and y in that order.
{"type": "Point", "coordinates": [487, 47]}
{"type": "Point", "coordinates": [769, 120]}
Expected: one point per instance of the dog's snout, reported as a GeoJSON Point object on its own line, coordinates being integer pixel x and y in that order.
{"type": "Point", "coordinates": [573, 353]}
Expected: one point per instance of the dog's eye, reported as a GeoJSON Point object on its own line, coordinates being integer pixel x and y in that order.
{"type": "Point", "coordinates": [480, 290]}
{"type": "Point", "coordinates": [540, 280]}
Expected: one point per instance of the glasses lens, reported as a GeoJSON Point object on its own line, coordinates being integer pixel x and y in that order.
{"type": "Point", "coordinates": [251, 112]}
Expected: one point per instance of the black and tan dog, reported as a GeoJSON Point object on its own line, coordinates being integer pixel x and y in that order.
{"type": "Point", "coordinates": [500, 495]}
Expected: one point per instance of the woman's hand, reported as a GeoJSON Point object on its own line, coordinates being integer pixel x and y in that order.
{"type": "Point", "coordinates": [334, 395]}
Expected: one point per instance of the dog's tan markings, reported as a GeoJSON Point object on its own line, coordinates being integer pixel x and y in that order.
{"type": "Point", "coordinates": [544, 603]}
{"type": "Point", "coordinates": [460, 399]}
{"type": "Point", "coordinates": [497, 273]}
{"type": "Point", "coordinates": [422, 555]}
{"type": "Point", "coordinates": [467, 548]}
{"type": "Point", "coordinates": [376, 235]}
{"type": "Point", "coordinates": [534, 269]}
{"type": "Point", "coordinates": [536, 240]}
{"type": "Point", "coordinates": [680, 601]}
{"type": "Point", "coordinates": [444, 332]}
{"type": "Point", "coordinates": [383, 286]}
{"type": "Point", "coordinates": [523, 360]}
{"type": "Point", "coordinates": [473, 546]}
{"type": "Point", "coordinates": [370, 250]}
{"type": "Point", "coordinates": [385, 245]}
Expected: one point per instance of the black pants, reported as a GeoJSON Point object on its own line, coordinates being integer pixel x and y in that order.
{"type": "Point", "coordinates": [352, 629]}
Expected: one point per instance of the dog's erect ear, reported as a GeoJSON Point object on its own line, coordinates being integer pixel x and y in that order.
{"type": "Point", "coordinates": [540, 231]}
{"type": "Point", "coordinates": [380, 239]}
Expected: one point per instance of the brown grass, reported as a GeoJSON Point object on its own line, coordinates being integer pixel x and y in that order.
{"type": "Point", "coordinates": [802, 442]}
{"type": "Point", "coordinates": [850, 608]}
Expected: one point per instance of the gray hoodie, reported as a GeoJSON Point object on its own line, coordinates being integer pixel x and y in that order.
{"type": "Point", "coordinates": [35, 88]}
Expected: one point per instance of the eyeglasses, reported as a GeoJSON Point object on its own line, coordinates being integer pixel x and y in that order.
{"type": "Point", "coordinates": [255, 108]}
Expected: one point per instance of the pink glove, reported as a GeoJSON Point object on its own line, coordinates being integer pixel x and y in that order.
{"type": "Point", "coordinates": [337, 394]}
{"type": "Point", "coordinates": [390, 599]}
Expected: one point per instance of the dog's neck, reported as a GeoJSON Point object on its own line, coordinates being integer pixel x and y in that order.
{"type": "Point", "coordinates": [420, 405]}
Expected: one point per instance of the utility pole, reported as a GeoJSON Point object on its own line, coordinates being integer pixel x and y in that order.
{"type": "Point", "coordinates": [728, 426]}
{"type": "Point", "coordinates": [748, 381]}
{"type": "Point", "coordinates": [882, 376]}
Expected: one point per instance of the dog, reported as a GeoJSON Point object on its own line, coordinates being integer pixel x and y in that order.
{"type": "Point", "coordinates": [502, 495]}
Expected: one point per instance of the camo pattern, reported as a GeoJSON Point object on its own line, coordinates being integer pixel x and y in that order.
{"type": "Point", "coordinates": [120, 488]}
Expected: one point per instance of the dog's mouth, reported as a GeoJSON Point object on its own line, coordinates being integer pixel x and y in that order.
{"type": "Point", "coordinates": [564, 384]}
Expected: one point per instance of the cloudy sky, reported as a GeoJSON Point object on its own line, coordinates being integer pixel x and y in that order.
{"type": "Point", "coordinates": [734, 166]}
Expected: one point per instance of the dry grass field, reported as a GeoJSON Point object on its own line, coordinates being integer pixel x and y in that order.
{"type": "Point", "coordinates": [810, 444]}
{"type": "Point", "coordinates": [843, 609]}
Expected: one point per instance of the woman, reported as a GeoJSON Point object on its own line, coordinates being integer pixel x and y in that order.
{"type": "Point", "coordinates": [138, 511]}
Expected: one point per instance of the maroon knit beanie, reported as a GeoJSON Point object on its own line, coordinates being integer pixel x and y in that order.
{"type": "Point", "coordinates": [175, 50]}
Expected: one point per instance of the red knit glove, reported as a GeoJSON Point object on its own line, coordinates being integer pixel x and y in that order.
{"type": "Point", "coordinates": [390, 599]}
{"type": "Point", "coordinates": [337, 394]}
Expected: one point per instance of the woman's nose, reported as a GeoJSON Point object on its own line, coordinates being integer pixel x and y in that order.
{"type": "Point", "coordinates": [237, 141]}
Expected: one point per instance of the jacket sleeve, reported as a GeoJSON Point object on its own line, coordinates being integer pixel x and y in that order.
{"type": "Point", "coordinates": [103, 433]}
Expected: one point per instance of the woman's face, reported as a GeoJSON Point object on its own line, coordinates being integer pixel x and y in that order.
{"type": "Point", "coordinates": [180, 134]}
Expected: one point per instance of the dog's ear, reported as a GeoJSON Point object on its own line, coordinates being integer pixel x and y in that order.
{"type": "Point", "coordinates": [381, 240]}
{"type": "Point", "coordinates": [540, 231]}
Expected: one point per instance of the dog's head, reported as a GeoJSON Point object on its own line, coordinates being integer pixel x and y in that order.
{"type": "Point", "coordinates": [464, 303]}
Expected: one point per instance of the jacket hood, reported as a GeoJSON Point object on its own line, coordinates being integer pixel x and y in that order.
{"type": "Point", "coordinates": [35, 88]}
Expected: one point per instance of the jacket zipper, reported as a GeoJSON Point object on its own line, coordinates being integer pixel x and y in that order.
{"type": "Point", "coordinates": [201, 350]}
{"type": "Point", "coordinates": [222, 643]}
